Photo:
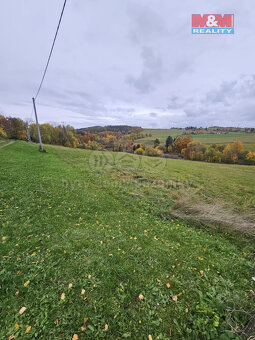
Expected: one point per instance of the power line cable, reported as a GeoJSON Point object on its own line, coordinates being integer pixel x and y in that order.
{"type": "Point", "coordinates": [52, 47]}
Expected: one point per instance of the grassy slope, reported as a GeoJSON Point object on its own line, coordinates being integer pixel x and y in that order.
{"type": "Point", "coordinates": [247, 138]}
{"type": "Point", "coordinates": [65, 217]}
{"type": "Point", "coordinates": [4, 142]}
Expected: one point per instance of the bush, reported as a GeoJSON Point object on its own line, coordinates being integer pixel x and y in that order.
{"type": "Point", "coordinates": [159, 149]}
{"type": "Point", "coordinates": [193, 151]}
{"type": "Point", "coordinates": [151, 152]}
{"type": "Point", "coordinates": [139, 151]}
{"type": "Point", "coordinates": [181, 143]}
{"type": "Point", "coordinates": [213, 155]}
{"type": "Point", "coordinates": [94, 145]}
{"type": "Point", "coordinates": [250, 157]}
{"type": "Point", "coordinates": [2, 133]}
{"type": "Point", "coordinates": [169, 142]}
{"type": "Point", "coordinates": [156, 142]}
{"type": "Point", "coordinates": [229, 155]}
{"type": "Point", "coordinates": [136, 146]}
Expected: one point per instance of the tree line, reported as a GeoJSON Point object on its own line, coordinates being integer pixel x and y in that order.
{"type": "Point", "coordinates": [122, 139]}
{"type": "Point", "coordinates": [214, 153]}
{"type": "Point", "coordinates": [15, 128]}
{"type": "Point", "coordinates": [114, 138]}
{"type": "Point", "coordinates": [184, 147]}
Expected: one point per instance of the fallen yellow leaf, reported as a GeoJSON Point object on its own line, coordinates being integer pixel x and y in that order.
{"type": "Point", "coordinates": [82, 291]}
{"type": "Point", "coordinates": [201, 272]}
{"type": "Point", "coordinates": [174, 298]}
{"type": "Point", "coordinates": [141, 297]}
{"type": "Point", "coordinates": [70, 285]}
{"type": "Point", "coordinates": [149, 337]}
{"type": "Point", "coordinates": [186, 310]}
{"type": "Point", "coordinates": [63, 296]}
{"type": "Point", "coordinates": [89, 276]}
{"type": "Point", "coordinates": [168, 285]}
{"type": "Point", "coordinates": [106, 327]}
{"type": "Point", "coordinates": [22, 310]}
{"type": "Point", "coordinates": [11, 337]}
{"type": "Point", "coordinates": [28, 329]}
{"type": "Point", "coordinates": [84, 326]}
{"type": "Point", "coordinates": [16, 325]}
{"type": "Point", "coordinates": [75, 337]}
{"type": "Point", "coordinates": [26, 283]}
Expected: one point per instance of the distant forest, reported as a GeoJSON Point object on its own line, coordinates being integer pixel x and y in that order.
{"type": "Point", "coordinates": [125, 129]}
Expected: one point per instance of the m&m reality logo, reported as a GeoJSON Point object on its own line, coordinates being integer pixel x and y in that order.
{"type": "Point", "coordinates": [213, 24]}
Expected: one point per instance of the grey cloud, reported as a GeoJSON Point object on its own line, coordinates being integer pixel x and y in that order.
{"type": "Point", "coordinates": [153, 114]}
{"type": "Point", "coordinates": [146, 24]}
{"type": "Point", "coordinates": [127, 62]}
{"type": "Point", "coordinates": [151, 73]}
{"type": "Point", "coordinates": [227, 103]}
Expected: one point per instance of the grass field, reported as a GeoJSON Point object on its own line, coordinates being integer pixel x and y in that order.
{"type": "Point", "coordinates": [89, 247]}
{"type": "Point", "coordinates": [158, 133]}
{"type": "Point", "coordinates": [248, 139]}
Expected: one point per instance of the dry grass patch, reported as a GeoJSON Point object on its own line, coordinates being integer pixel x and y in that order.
{"type": "Point", "coordinates": [191, 208]}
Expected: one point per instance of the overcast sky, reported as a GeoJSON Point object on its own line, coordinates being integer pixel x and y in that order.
{"type": "Point", "coordinates": [127, 62]}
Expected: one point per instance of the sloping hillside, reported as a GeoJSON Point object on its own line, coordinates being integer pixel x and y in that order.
{"type": "Point", "coordinates": [89, 247]}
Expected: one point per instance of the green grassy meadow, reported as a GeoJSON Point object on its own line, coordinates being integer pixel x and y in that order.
{"type": "Point", "coordinates": [158, 133]}
{"type": "Point", "coordinates": [248, 139]}
{"type": "Point", "coordinates": [89, 247]}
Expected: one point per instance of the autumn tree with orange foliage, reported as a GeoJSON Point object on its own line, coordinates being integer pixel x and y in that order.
{"type": "Point", "coordinates": [181, 143]}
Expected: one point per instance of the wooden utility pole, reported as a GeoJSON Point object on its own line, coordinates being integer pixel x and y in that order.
{"type": "Point", "coordinates": [38, 128]}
